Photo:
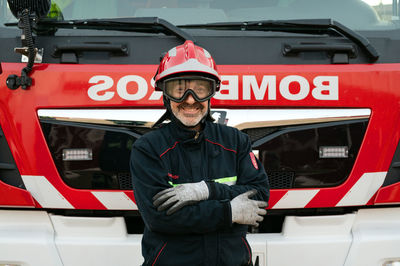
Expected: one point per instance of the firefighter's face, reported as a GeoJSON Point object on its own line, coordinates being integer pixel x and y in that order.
{"type": "Point", "coordinates": [190, 112]}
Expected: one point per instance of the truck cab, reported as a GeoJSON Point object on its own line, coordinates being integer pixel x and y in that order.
{"type": "Point", "coordinates": [312, 82]}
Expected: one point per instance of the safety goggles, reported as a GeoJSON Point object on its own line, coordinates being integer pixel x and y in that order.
{"type": "Point", "coordinates": [178, 88]}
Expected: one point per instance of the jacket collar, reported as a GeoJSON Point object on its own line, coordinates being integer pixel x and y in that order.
{"type": "Point", "coordinates": [185, 134]}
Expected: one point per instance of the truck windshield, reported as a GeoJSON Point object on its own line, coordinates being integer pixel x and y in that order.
{"type": "Point", "coordinates": [354, 14]}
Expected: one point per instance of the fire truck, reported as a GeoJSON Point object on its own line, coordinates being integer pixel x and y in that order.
{"type": "Point", "coordinates": [314, 83]}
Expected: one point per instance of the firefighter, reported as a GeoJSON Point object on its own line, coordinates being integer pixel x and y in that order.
{"type": "Point", "coordinates": [197, 184]}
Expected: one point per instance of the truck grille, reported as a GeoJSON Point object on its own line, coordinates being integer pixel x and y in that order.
{"type": "Point", "coordinates": [289, 152]}
{"type": "Point", "coordinates": [280, 179]}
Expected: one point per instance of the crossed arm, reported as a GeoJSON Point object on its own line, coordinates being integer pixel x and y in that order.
{"type": "Point", "coordinates": [161, 205]}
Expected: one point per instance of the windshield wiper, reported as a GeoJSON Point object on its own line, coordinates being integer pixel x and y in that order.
{"type": "Point", "coordinates": [309, 26]}
{"type": "Point", "coordinates": [137, 24]}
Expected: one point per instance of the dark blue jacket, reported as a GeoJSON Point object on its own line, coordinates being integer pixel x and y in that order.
{"type": "Point", "coordinates": [202, 233]}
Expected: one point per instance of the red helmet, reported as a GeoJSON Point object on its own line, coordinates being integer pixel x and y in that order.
{"type": "Point", "coordinates": [187, 58]}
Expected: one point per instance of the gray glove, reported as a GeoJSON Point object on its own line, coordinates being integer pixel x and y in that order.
{"type": "Point", "coordinates": [248, 211]}
{"type": "Point", "coordinates": [177, 197]}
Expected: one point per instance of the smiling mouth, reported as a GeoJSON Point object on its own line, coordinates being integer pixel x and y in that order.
{"type": "Point", "coordinates": [190, 109]}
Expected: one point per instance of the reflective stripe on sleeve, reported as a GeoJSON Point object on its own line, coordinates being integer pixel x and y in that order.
{"type": "Point", "coordinates": [223, 180]}
{"type": "Point", "coordinates": [227, 180]}
{"type": "Point", "coordinates": [172, 184]}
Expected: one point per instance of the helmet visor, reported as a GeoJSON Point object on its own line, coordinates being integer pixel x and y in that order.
{"type": "Point", "coordinates": [178, 88]}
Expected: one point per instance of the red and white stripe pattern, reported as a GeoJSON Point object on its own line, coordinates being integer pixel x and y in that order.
{"type": "Point", "coordinates": [363, 190]}
{"type": "Point", "coordinates": [359, 194]}
{"type": "Point", "coordinates": [114, 200]}
{"type": "Point", "coordinates": [49, 197]}
{"type": "Point", "coordinates": [45, 193]}
{"type": "Point", "coordinates": [296, 199]}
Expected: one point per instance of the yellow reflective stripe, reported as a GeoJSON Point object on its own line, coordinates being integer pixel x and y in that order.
{"type": "Point", "coordinates": [231, 179]}
{"type": "Point", "coordinates": [225, 180]}
{"type": "Point", "coordinates": [172, 184]}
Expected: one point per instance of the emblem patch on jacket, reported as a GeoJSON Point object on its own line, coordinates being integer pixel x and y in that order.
{"type": "Point", "coordinates": [173, 176]}
{"type": "Point", "coordinates": [253, 160]}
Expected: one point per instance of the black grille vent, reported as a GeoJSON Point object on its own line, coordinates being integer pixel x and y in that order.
{"type": "Point", "coordinates": [393, 175]}
{"type": "Point", "coordinates": [258, 133]}
{"type": "Point", "coordinates": [125, 181]}
{"type": "Point", "coordinates": [280, 179]}
{"type": "Point", "coordinates": [9, 173]}
{"type": "Point", "coordinates": [142, 130]}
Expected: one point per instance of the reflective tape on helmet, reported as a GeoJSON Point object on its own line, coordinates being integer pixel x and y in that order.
{"type": "Point", "coordinates": [187, 58]}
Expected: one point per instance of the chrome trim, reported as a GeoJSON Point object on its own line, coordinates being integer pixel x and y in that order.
{"type": "Point", "coordinates": [253, 118]}
{"type": "Point", "coordinates": [239, 118]}
{"type": "Point", "coordinates": [132, 117]}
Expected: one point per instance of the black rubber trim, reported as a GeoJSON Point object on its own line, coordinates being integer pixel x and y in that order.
{"type": "Point", "coordinates": [9, 173]}
{"type": "Point", "coordinates": [92, 126]}
{"type": "Point", "coordinates": [393, 174]}
{"type": "Point", "coordinates": [304, 127]}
